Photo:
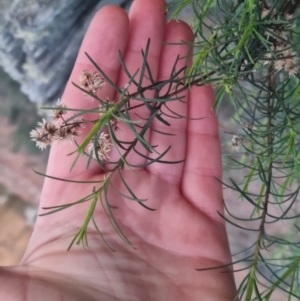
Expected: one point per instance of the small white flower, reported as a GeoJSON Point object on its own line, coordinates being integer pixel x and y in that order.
{"type": "Point", "coordinates": [103, 147]}
{"type": "Point", "coordinates": [280, 64]}
{"type": "Point", "coordinates": [264, 13]}
{"type": "Point", "coordinates": [58, 110]}
{"type": "Point", "coordinates": [288, 17]}
{"type": "Point", "coordinates": [235, 142]}
{"type": "Point", "coordinates": [292, 71]}
{"type": "Point", "coordinates": [91, 81]}
{"type": "Point", "coordinates": [41, 138]}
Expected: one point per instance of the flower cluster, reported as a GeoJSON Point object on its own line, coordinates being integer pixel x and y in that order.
{"type": "Point", "coordinates": [91, 81]}
{"type": "Point", "coordinates": [48, 132]}
{"type": "Point", "coordinates": [235, 142]}
{"type": "Point", "coordinates": [249, 127]}
{"type": "Point", "coordinates": [281, 55]}
{"type": "Point", "coordinates": [286, 59]}
{"type": "Point", "coordinates": [103, 147]}
{"type": "Point", "coordinates": [58, 111]}
{"type": "Point", "coordinates": [68, 130]}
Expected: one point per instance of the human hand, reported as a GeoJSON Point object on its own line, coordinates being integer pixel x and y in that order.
{"type": "Point", "coordinates": [184, 233]}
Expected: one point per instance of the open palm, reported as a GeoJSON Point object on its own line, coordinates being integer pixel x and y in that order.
{"type": "Point", "coordinates": [182, 234]}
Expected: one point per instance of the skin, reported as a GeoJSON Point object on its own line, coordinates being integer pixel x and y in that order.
{"type": "Point", "coordinates": [184, 233]}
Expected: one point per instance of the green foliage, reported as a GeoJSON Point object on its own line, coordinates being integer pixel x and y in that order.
{"type": "Point", "coordinates": [248, 51]}
{"type": "Point", "coordinates": [111, 113]}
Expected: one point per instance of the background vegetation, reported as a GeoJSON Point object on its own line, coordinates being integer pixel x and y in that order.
{"type": "Point", "coordinates": [248, 49]}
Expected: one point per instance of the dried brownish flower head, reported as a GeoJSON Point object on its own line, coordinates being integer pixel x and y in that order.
{"type": "Point", "coordinates": [285, 59]}
{"type": "Point", "coordinates": [103, 147]}
{"type": "Point", "coordinates": [69, 131]}
{"type": "Point", "coordinates": [235, 142]}
{"type": "Point", "coordinates": [58, 110]}
{"type": "Point", "coordinates": [47, 132]}
{"type": "Point", "coordinates": [44, 134]}
{"type": "Point", "coordinates": [288, 61]}
{"type": "Point", "coordinates": [91, 81]}
{"type": "Point", "coordinates": [249, 127]}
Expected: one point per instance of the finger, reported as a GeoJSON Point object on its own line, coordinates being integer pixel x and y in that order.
{"type": "Point", "coordinates": [106, 35]}
{"type": "Point", "coordinates": [203, 166]}
{"type": "Point", "coordinates": [147, 21]}
{"type": "Point", "coordinates": [175, 33]}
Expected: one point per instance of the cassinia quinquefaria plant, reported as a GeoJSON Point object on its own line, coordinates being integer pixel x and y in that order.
{"type": "Point", "coordinates": [248, 50]}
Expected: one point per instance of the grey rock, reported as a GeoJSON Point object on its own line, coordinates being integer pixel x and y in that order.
{"type": "Point", "coordinates": [39, 41]}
